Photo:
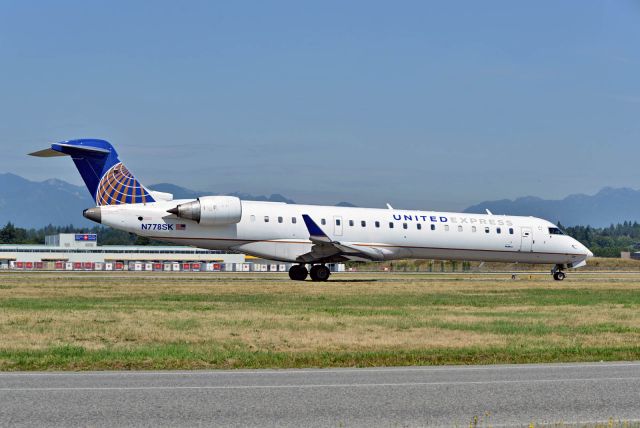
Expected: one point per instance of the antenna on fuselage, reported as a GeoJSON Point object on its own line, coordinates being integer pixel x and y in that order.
{"type": "Point", "coordinates": [389, 206]}
{"type": "Point", "coordinates": [488, 212]}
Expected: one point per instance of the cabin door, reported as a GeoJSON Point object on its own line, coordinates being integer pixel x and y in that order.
{"type": "Point", "coordinates": [527, 239]}
{"type": "Point", "coordinates": [337, 225]}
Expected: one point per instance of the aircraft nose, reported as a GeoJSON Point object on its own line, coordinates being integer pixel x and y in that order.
{"type": "Point", "coordinates": [582, 249]}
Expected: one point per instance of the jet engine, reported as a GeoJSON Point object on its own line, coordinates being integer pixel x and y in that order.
{"type": "Point", "coordinates": [211, 210]}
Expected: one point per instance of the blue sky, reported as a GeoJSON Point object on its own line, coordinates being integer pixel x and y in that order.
{"type": "Point", "coordinates": [434, 105]}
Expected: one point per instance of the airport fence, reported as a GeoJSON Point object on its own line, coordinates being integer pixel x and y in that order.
{"type": "Point", "coordinates": [157, 266]}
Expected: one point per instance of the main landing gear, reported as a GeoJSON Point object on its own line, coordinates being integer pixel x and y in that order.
{"type": "Point", "coordinates": [317, 273]}
{"type": "Point", "coordinates": [298, 272]}
{"type": "Point", "coordinates": [557, 273]}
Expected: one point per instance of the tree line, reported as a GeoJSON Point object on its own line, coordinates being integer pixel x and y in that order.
{"type": "Point", "coordinates": [604, 242]}
{"type": "Point", "coordinates": [10, 234]}
{"type": "Point", "coordinates": [607, 241]}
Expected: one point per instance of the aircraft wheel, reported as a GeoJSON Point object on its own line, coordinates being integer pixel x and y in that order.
{"type": "Point", "coordinates": [298, 273]}
{"type": "Point", "coordinates": [558, 276]}
{"type": "Point", "coordinates": [320, 273]}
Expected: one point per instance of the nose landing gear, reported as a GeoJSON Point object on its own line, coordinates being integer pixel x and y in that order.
{"type": "Point", "coordinates": [317, 273]}
{"type": "Point", "coordinates": [557, 273]}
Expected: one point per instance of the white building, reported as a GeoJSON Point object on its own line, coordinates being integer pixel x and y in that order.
{"type": "Point", "coordinates": [80, 251]}
{"type": "Point", "coordinates": [68, 251]}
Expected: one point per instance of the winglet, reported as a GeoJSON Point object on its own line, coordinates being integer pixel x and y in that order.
{"type": "Point", "coordinates": [314, 230]}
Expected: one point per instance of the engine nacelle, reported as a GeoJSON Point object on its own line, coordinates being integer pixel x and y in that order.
{"type": "Point", "coordinates": [211, 210]}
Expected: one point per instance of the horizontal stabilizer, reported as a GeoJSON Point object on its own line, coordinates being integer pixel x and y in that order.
{"type": "Point", "coordinates": [46, 153]}
{"type": "Point", "coordinates": [63, 149]}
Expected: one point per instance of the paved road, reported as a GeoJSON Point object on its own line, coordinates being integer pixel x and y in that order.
{"type": "Point", "coordinates": [411, 396]}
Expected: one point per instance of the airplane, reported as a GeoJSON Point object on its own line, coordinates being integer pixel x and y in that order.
{"type": "Point", "coordinates": [310, 235]}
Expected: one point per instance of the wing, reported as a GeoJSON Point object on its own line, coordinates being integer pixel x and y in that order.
{"type": "Point", "coordinates": [324, 249]}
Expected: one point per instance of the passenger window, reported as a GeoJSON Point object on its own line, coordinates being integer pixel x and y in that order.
{"type": "Point", "coordinates": [293, 220]}
{"type": "Point", "coordinates": [498, 230]}
{"type": "Point", "coordinates": [390, 225]}
{"type": "Point", "coordinates": [337, 222]}
{"type": "Point", "coordinates": [363, 223]}
{"type": "Point", "coordinates": [404, 225]}
{"type": "Point", "coordinates": [323, 221]}
{"type": "Point", "coordinates": [279, 219]}
{"type": "Point", "coordinates": [459, 228]}
{"type": "Point", "coordinates": [446, 227]}
{"type": "Point", "coordinates": [419, 226]}
{"type": "Point", "coordinates": [350, 222]}
{"type": "Point", "coordinates": [473, 229]}
{"type": "Point", "coordinates": [266, 219]}
{"type": "Point", "coordinates": [253, 218]}
{"type": "Point", "coordinates": [486, 230]}
{"type": "Point", "coordinates": [433, 227]}
{"type": "Point", "coordinates": [511, 231]}
{"type": "Point", "coordinates": [377, 224]}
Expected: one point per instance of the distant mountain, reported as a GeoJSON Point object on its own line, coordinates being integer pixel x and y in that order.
{"type": "Point", "coordinates": [609, 205]}
{"type": "Point", "coordinates": [35, 204]}
{"type": "Point", "coordinates": [345, 204]}
{"type": "Point", "coordinates": [184, 193]}
{"type": "Point", "coordinates": [177, 191]}
{"type": "Point", "coordinates": [275, 197]}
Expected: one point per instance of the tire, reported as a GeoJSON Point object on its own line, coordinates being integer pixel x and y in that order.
{"type": "Point", "coordinates": [298, 273]}
{"type": "Point", "coordinates": [558, 276]}
{"type": "Point", "coordinates": [320, 273]}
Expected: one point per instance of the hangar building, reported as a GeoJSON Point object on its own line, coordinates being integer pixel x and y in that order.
{"type": "Point", "coordinates": [69, 251]}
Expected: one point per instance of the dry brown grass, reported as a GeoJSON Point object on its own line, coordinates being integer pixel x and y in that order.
{"type": "Point", "coordinates": [353, 313]}
{"type": "Point", "coordinates": [596, 264]}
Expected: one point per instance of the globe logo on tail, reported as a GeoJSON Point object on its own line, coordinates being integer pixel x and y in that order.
{"type": "Point", "coordinates": [119, 186]}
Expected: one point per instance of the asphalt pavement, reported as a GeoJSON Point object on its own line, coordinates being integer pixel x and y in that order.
{"type": "Point", "coordinates": [501, 395]}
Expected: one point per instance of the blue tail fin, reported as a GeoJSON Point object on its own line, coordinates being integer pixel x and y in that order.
{"type": "Point", "coordinates": [108, 180]}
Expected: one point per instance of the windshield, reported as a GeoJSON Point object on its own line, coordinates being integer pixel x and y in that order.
{"type": "Point", "coordinates": [555, 231]}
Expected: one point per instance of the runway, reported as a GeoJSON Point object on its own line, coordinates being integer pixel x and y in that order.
{"type": "Point", "coordinates": [403, 396]}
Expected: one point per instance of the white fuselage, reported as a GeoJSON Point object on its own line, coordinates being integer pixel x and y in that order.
{"type": "Point", "coordinates": [277, 231]}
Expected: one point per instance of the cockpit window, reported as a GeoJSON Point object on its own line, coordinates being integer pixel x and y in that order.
{"type": "Point", "coordinates": [555, 231]}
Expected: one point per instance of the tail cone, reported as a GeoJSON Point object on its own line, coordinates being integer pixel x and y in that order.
{"type": "Point", "coordinates": [93, 214]}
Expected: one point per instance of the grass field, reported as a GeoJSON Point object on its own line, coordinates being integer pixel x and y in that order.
{"type": "Point", "coordinates": [51, 321]}
{"type": "Point", "coordinates": [595, 264]}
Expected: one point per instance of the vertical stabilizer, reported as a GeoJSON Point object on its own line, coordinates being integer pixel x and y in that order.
{"type": "Point", "coordinates": [106, 177]}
